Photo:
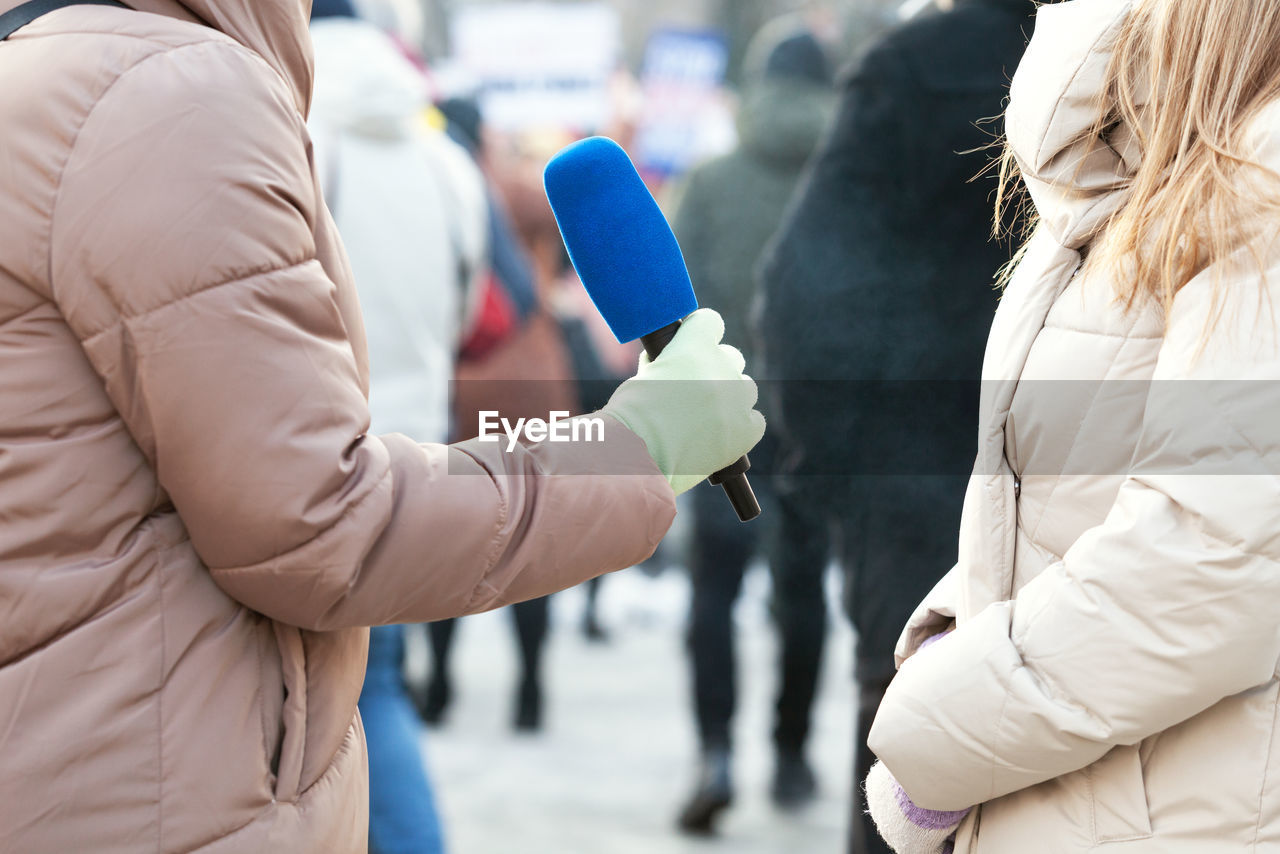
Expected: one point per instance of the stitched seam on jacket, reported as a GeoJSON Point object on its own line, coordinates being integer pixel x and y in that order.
{"type": "Point", "coordinates": [166, 45]}
{"type": "Point", "coordinates": [43, 303]}
{"type": "Point", "coordinates": [1093, 803]}
{"type": "Point", "coordinates": [1075, 439]}
{"type": "Point", "coordinates": [995, 742]}
{"type": "Point", "coordinates": [222, 838]}
{"type": "Point", "coordinates": [273, 806]}
{"type": "Point", "coordinates": [1106, 198]}
{"type": "Point", "coordinates": [238, 278]}
{"type": "Point", "coordinates": [495, 549]}
{"type": "Point", "coordinates": [159, 574]}
{"type": "Point", "coordinates": [1266, 766]}
{"type": "Point", "coordinates": [1062, 96]}
{"type": "Point", "coordinates": [1261, 455]}
{"type": "Point", "coordinates": [75, 139]}
{"type": "Point", "coordinates": [319, 535]}
{"type": "Point", "coordinates": [331, 765]}
{"type": "Point", "coordinates": [71, 150]}
{"type": "Point", "coordinates": [1124, 336]}
{"type": "Point", "coordinates": [1001, 498]}
{"type": "Point", "coordinates": [1203, 531]}
{"type": "Point", "coordinates": [1052, 688]}
{"type": "Point", "coordinates": [261, 697]}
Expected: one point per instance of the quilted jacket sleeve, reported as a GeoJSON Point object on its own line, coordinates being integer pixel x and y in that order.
{"type": "Point", "coordinates": [183, 258]}
{"type": "Point", "coordinates": [1155, 615]}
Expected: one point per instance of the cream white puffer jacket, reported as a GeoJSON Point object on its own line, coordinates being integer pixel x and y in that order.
{"type": "Point", "coordinates": [1112, 682]}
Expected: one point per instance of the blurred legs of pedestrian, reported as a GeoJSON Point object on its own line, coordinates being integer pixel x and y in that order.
{"type": "Point", "coordinates": [402, 812]}
{"type": "Point", "coordinates": [891, 561]}
{"type": "Point", "coordinates": [531, 620]}
{"type": "Point", "coordinates": [798, 564]}
{"type": "Point", "coordinates": [721, 549]}
{"type": "Point", "coordinates": [592, 629]}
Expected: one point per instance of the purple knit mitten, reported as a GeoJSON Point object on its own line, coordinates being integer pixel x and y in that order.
{"type": "Point", "coordinates": [932, 639]}
{"type": "Point", "coordinates": [909, 829]}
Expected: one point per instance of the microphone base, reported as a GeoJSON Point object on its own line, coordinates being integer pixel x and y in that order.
{"type": "Point", "coordinates": [733, 479]}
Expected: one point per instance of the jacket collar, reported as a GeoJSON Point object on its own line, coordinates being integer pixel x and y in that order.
{"type": "Point", "coordinates": [1055, 97]}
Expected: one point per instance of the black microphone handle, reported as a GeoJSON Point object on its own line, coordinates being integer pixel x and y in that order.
{"type": "Point", "coordinates": [732, 477]}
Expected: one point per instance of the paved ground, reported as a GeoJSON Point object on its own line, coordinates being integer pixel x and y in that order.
{"type": "Point", "coordinates": [608, 774]}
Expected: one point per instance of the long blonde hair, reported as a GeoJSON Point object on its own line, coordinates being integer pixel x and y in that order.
{"type": "Point", "coordinates": [1186, 77]}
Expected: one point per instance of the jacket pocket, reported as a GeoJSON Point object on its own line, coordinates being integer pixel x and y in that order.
{"type": "Point", "coordinates": [1119, 797]}
{"type": "Point", "coordinates": [293, 716]}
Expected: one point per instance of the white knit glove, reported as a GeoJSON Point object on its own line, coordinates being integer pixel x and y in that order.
{"type": "Point", "coordinates": [693, 406]}
{"type": "Point", "coordinates": [907, 828]}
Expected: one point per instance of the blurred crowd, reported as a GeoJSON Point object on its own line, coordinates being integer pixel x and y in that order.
{"type": "Point", "coordinates": [838, 224]}
{"type": "Point", "coordinates": [271, 270]}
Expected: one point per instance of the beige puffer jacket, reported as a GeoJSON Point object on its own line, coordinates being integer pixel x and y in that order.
{"type": "Point", "coordinates": [1112, 682]}
{"type": "Point", "coordinates": [194, 527]}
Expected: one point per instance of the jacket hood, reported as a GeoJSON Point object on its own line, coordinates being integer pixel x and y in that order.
{"type": "Point", "coordinates": [1054, 100]}
{"type": "Point", "coordinates": [364, 83]}
{"type": "Point", "coordinates": [274, 29]}
{"type": "Point", "coordinates": [783, 119]}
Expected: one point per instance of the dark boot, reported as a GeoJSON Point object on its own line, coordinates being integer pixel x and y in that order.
{"type": "Point", "coordinates": [712, 795]}
{"type": "Point", "coordinates": [793, 782]}
{"type": "Point", "coordinates": [433, 701]}
{"type": "Point", "coordinates": [532, 619]}
{"type": "Point", "coordinates": [528, 706]}
{"type": "Point", "coordinates": [592, 630]}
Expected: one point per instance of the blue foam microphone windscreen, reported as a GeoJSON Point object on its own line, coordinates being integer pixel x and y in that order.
{"type": "Point", "coordinates": [618, 239]}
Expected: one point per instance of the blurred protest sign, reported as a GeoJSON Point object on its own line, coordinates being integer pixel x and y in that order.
{"type": "Point", "coordinates": [539, 64]}
{"type": "Point", "coordinates": [685, 117]}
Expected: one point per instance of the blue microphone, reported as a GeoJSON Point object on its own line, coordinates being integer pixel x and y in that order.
{"type": "Point", "coordinates": [629, 261]}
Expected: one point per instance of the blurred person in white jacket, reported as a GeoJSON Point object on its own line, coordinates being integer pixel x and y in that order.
{"type": "Point", "coordinates": [410, 205]}
{"type": "Point", "coordinates": [411, 209]}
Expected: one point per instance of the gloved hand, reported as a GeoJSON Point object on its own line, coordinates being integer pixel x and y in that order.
{"type": "Point", "coordinates": [692, 406]}
{"type": "Point", "coordinates": [907, 828]}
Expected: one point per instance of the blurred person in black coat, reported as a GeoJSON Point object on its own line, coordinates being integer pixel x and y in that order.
{"type": "Point", "coordinates": [878, 293]}
{"type": "Point", "coordinates": [727, 209]}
